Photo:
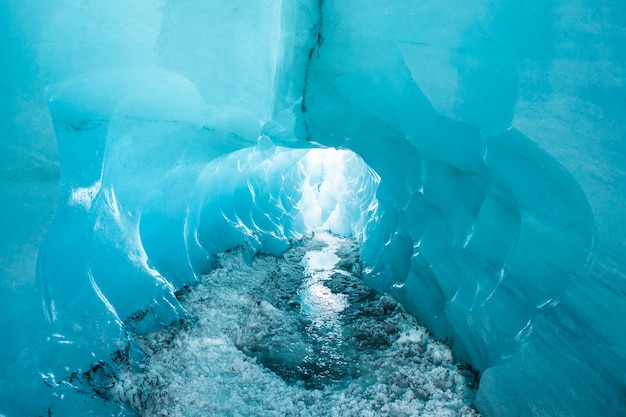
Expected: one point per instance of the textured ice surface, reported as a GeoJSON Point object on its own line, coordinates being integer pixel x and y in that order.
{"type": "Point", "coordinates": [296, 335]}
{"type": "Point", "coordinates": [486, 187]}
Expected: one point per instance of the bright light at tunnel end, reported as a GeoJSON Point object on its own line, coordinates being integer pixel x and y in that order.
{"type": "Point", "coordinates": [337, 189]}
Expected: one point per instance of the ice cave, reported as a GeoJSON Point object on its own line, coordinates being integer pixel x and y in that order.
{"type": "Point", "coordinates": [313, 208]}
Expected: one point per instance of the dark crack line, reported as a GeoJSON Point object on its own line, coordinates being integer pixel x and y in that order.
{"type": "Point", "coordinates": [319, 39]}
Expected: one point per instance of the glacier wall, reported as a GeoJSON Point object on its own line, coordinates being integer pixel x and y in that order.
{"type": "Point", "coordinates": [142, 138]}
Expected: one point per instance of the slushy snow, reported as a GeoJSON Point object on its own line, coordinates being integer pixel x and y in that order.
{"type": "Point", "coordinates": [293, 335]}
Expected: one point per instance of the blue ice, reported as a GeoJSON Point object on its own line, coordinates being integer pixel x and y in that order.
{"type": "Point", "coordinates": [474, 152]}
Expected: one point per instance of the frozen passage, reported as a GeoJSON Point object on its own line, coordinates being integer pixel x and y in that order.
{"type": "Point", "coordinates": [475, 153]}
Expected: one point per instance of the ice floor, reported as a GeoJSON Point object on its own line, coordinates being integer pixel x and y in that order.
{"type": "Point", "coordinates": [295, 335]}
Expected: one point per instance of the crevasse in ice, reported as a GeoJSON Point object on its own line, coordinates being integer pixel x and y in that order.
{"type": "Point", "coordinates": [480, 169]}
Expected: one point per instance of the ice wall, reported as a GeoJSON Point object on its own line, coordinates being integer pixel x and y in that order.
{"type": "Point", "coordinates": [136, 123]}
{"type": "Point", "coordinates": [508, 251]}
{"type": "Point", "coordinates": [495, 131]}
{"type": "Point", "coordinates": [29, 173]}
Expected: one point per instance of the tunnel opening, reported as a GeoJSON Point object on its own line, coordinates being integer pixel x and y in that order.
{"type": "Point", "coordinates": [280, 319]}
{"type": "Point", "coordinates": [264, 197]}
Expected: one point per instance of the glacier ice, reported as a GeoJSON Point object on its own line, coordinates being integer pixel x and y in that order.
{"type": "Point", "coordinates": [476, 153]}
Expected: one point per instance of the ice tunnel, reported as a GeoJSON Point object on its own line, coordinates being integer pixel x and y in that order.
{"type": "Point", "coordinates": [475, 152]}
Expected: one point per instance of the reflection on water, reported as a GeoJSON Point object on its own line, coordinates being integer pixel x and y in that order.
{"type": "Point", "coordinates": [321, 310]}
{"type": "Point", "coordinates": [318, 303]}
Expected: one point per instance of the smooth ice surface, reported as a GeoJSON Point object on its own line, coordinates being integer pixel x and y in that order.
{"type": "Point", "coordinates": [485, 181]}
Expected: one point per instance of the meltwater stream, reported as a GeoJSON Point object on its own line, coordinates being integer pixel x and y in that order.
{"type": "Point", "coordinates": [294, 335]}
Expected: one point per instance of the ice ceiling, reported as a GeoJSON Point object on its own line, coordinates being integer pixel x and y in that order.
{"type": "Point", "coordinates": [476, 152]}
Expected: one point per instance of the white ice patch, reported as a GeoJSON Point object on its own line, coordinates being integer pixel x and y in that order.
{"type": "Point", "coordinates": [84, 196]}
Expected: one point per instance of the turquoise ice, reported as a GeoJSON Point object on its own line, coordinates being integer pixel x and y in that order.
{"type": "Point", "coordinates": [475, 152]}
